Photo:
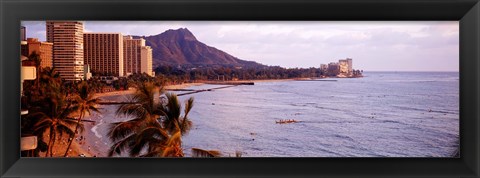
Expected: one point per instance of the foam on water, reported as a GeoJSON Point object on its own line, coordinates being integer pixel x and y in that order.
{"type": "Point", "coordinates": [94, 129]}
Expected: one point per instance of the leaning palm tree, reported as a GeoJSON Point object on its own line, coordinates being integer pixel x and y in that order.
{"type": "Point", "coordinates": [52, 116]}
{"type": "Point", "coordinates": [144, 131]}
{"type": "Point", "coordinates": [156, 126]}
{"type": "Point", "coordinates": [83, 102]}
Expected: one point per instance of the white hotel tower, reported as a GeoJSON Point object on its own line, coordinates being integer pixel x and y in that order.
{"type": "Point", "coordinates": [67, 39]}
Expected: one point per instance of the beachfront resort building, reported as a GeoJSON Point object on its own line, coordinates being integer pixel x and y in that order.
{"type": "Point", "coordinates": [104, 53]}
{"type": "Point", "coordinates": [137, 56]}
{"type": "Point", "coordinates": [324, 68]}
{"type": "Point", "coordinates": [43, 49]}
{"type": "Point", "coordinates": [345, 66]}
{"type": "Point", "coordinates": [342, 68]}
{"type": "Point", "coordinates": [333, 69]}
{"type": "Point", "coordinates": [67, 39]}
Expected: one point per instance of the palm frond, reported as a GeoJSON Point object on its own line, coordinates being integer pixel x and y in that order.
{"type": "Point", "coordinates": [121, 145]}
{"type": "Point", "coordinates": [188, 105]}
{"type": "Point", "coordinates": [70, 122]}
{"type": "Point", "coordinates": [173, 148]}
{"type": "Point", "coordinates": [155, 133]}
{"type": "Point", "coordinates": [197, 152]}
{"type": "Point", "coordinates": [152, 135]}
{"type": "Point", "coordinates": [136, 110]}
{"type": "Point", "coordinates": [174, 104]}
{"type": "Point", "coordinates": [37, 116]}
{"type": "Point", "coordinates": [186, 126]}
{"type": "Point", "coordinates": [156, 153]}
{"type": "Point", "coordinates": [138, 145]}
{"type": "Point", "coordinates": [171, 152]}
{"type": "Point", "coordinates": [175, 139]}
{"type": "Point", "coordinates": [120, 130]}
{"type": "Point", "coordinates": [42, 122]}
{"type": "Point", "coordinates": [62, 129]}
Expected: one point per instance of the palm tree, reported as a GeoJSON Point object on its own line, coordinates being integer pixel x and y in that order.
{"type": "Point", "coordinates": [172, 114]}
{"type": "Point", "coordinates": [175, 124]}
{"type": "Point", "coordinates": [144, 130]}
{"type": "Point", "coordinates": [50, 76]}
{"type": "Point", "coordinates": [49, 82]}
{"type": "Point", "coordinates": [53, 116]}
{"type": "Point", "coordinates": [83, 102]}
{"type": "Point", "coordinates": [156, 127]}
{"type": "Point", "coordinates": [95, 84]}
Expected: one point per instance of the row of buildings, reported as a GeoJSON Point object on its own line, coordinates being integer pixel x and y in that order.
{"type": "Point", "coordinates": [76, 55]}
{"type": "Point", "coordinates": [342, 68]}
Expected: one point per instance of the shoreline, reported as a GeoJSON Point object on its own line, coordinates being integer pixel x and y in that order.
{"type": "Point", "coordinates": [91, 141]}
{"type": "Point", "coordinates": [131, 91]}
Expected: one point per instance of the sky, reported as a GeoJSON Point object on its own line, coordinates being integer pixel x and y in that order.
{"type": "Point", "coordinates": [373, 45]}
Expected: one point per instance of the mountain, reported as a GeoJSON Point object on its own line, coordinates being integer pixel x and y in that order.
{"type": "Point", "coordinates": [180, 47]}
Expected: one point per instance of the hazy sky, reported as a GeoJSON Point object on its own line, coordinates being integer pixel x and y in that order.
{"type": "Point", "coordinates": [373, 46]}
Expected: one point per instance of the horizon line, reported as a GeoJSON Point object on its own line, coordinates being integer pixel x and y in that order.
{"type": "Point", "coordinates": [409, 71]}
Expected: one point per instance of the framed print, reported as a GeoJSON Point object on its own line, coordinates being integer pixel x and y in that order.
{"type": "Point", "coordinates": [239, 88]}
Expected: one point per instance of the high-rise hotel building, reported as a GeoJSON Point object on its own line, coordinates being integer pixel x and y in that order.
{"type": "Point", "coordinates": [137, 56]}
{"type": "Point", "coordinates": [346, 66]}
{"type": "Point", "coordinates": [104, 53]}
{"type": "Point", "coordinates": [67, 39]}
{"type": "Point", "coordinates": [146, 60]}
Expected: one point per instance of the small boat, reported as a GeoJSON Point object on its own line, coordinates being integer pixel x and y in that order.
{"type": "Point", "coordinates": [286, 121]}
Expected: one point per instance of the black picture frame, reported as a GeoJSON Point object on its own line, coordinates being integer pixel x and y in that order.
{"type": "Point", "coordinates": [465, 11]}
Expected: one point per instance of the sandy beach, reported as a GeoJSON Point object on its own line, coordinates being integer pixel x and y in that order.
{"type": "Point", "coordinates": [76, 149]}
{"type": "Point", "coordinates": [131, 90]}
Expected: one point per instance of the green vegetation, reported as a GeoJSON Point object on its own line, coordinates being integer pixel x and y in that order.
{"type": "Point", "coordinates": [205, 72]}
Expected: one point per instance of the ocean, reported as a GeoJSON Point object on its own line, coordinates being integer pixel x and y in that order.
{"type": "Point", "coordinates": [384, 114]}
